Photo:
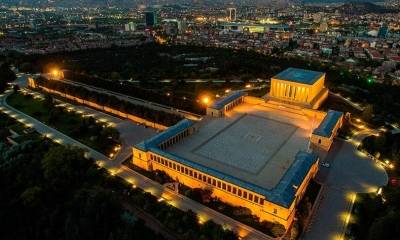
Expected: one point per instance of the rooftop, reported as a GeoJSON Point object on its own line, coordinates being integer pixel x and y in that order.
{"type": "Point", "coordinates": [299, 75]}
{"type": "Point", "coordinates": [222, 102]}
{"type": "Point", "coordinates": [255, 147]}
{"type": "Point", "coordinates": [328, 123]}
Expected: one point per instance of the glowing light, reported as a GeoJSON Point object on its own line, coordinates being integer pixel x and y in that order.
{"type": "Point", "coordinates": [227, 91]}
{"type": "Point", "coordinates": [379, 192]}
{"type": "Point", "coordinates": [248, 86]}
{"type": "Point", "coordinates": [205, 100]}
{"type": "Point", "coordinates": [111, 155]}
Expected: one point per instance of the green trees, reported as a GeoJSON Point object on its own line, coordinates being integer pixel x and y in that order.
{"type": "Point", "coordinates": [6, 76]}
{"type": "Point", "coordinates": [48, 192]}
{"type": "Point", "coordinates": [53, 192]}
{"type": "Point", "coordinates": [149, 114]}
{"type": "Point", "coordinates": [368, 112]}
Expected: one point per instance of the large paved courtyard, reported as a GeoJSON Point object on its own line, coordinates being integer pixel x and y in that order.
{"type": "Point", "coordinates": [254, 143]}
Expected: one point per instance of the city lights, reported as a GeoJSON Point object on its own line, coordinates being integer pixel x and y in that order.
{"type": "Point", "coordinates": [217, 112]}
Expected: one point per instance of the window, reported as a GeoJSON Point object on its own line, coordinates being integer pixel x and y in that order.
{"type": "Point", "coordinates": [319, 141]}
{"type": "Point", "coordinates": [174, 166]}
{"type": "Point", "coordinates": [229, 188]}
{"type": "Point", "coordinates": [224, 186]}
{"type": "Point", "coordinates": [178, 168]}
{"type": "Point", "coordinates": [200, 176]}
{"type": "Point", "coordinates": [234, 190]}
{"type": "Point", "coordinates": [244, 194]}
{"type": "Point", "coordinates": [239, 192]}
{"type": "Point", "coordinates": [170, 164]}
{"type": "Point", "coordinates": [261, 201]}
{"type": "Point", "coordinates": [162, 161]}
{"type": "Point", "coordinates": [275, 211]}
{"type": "Point", "coordinates": [204, 178]}
{"type": "Point", "coordinates": [151, 157]}
{"type": "Point", "coordinates": [256, 199]}
{"type": "Point", "coordinates": [158, 159]}
{"type": "Point", "coordinates": [214, 182]}
{"type": "Point", "coordinates": [191, 173]}
{"type": "Point", "coordinates": [140, 155]}
{"type": "Point", "coordinates": [209, 180]}
{"type": "Point", "coordinates": [250, 197]}
{"type": "Point", "coordinates": [195, 174]}
{"type": "Point", "coordinates": [219, 184]}
{"type": "Point", "coordinates": [186, 171]}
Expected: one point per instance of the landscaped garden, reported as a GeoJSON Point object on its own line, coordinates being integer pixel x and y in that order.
{"type": "Point", "coordinates": [86, 130]}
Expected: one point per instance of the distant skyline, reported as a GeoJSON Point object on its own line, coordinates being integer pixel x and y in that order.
{"type": "Point", "coordinates": [134, 3]}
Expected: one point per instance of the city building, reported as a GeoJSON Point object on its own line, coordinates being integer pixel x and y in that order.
{"type": "Point", "coordinates": [232, 14]}
{"type": "Point", "coordinates": [130, 27]}
{"type": "Point", "coordinates": [253, 27]}
{"type": "Point", "coordinates": [150, 18]}
{"type": "Point", "coordinates": [323, 26]}
{"type": "Point", "coordinates": [249, 151]}
{"type": "Point", "coordinates": [299, 87]}
{"type": "Point", "coordinates": [383, 31]}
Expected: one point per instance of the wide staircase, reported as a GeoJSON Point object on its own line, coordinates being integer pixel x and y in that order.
{"type": "Point", "coordinates": [284, 107]}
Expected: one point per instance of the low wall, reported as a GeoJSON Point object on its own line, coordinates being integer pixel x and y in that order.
{"type": "Point", "coordinates": [103, 108]}
{"type": "Point", "coordinates": [253, 100]}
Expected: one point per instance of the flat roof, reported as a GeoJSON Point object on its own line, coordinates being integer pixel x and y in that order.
{"type": "Point", "coordinates": [299, 75]}
{"type": "Point", "coordinates": [222, 102]}
{"type": "Point", "coordinates": [255, 147]}
{"type": "Point", "coordinates": [325, 128]}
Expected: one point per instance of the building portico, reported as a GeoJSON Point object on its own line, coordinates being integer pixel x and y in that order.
{"type": "Point", "coordinates": [300, 87]}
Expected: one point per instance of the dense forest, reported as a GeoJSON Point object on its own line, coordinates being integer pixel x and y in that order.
{"type": "Point", "coordinates": [52, 192]}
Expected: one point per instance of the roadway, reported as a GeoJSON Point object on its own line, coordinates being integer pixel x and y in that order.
{"type": "Point", "coordinates": [116, 168]}
{"type": "Point", "coordinates": [353, 104]}
{"type": "Point", "coordinates": [350, 172]}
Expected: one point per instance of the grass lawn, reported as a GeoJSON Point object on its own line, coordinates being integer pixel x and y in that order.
{"type": "Point", "coordinates": [85, 130]}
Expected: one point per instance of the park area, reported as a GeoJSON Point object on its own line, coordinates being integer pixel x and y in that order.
{"type": "Point", "coordinates": [84, 129]}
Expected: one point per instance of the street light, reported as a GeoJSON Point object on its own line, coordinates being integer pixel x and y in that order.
{"type": "Point", "coordinates": [205, 100]}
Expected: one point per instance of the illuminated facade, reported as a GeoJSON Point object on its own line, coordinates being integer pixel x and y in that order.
{"type": "Point", "coordinates": [248, 151]}
{"type": "Point", "coordinates": [299, 87]}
